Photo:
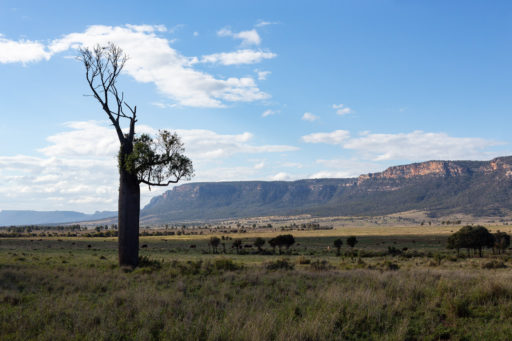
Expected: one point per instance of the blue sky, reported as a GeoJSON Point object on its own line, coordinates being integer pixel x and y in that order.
{"type": "Point", "coordinates": [258, 90]}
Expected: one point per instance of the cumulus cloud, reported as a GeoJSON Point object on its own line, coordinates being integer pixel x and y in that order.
{"type": "Point", "coordinates": [309, 117]}
{"type": "Point", "coordinates": [419, 145]}
{"type": "Point", "coordinates": [238, 57]}
{"type": "Point", "coordinates": [346, 168]}
{"type": "Point", "coordinates": [342, 109]}
{"type": "Point", "coordinates": [413, 146]}
{"type": "Point", "coordinates": [78, 169]}
{"type": "Point", "coordinates": [335, 137]}
{"type": "Point", "coordinates": [83, 139]}
{"type": "Point", "coordinates": [262, 75]}
{"type": "Point", "coordinates": [281, 176]}
{"type": "Point", "coordinates": [250, 37]}
{"type": "Point", "coordinates": [206, 144]}
{"type": "Point", "coordinates": [22, 51]}
{"type": "Point", "coordinates": [153, 60]}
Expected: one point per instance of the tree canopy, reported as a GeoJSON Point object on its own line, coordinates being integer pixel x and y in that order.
{"type": "Point", "coordinates": [471, 238]}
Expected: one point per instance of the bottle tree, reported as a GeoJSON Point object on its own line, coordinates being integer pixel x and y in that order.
{"type": "Point", "coordinates": [142, 159]}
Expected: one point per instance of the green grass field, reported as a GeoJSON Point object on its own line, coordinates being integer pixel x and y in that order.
{"type": "Point", "coordinates": [389, 287]}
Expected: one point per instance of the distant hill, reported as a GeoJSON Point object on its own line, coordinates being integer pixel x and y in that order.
{"type": "Point", "coordinates": [478, 188]}
{"type": "Point", "coordinates": [18, 217]}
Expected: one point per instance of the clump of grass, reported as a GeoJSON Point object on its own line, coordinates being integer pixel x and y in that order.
{"type": "Point", "coordinates": [146, 262]}
{"type": "Point", "coordinates": [280, 264]}
{"type": "Point", "coordinates": [393, 266]}
{"type": "Point", "coordinates": [321, 265]}
{"type": "Point", "coordinates": [226, 264]}
{"type": "Point", "coordinates": [494, 264]}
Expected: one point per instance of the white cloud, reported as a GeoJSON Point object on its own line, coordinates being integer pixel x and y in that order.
{"type": "Point", "coordinates": [262, 23]}
{"type": "Point", "coordinates": [84, 139]}
{"type": "Point", "coordinates": [346, 168]}
{"type": "Point", "coordinates": [238, 57]}
{"type": "Point", "coordinates": [22, 51]}
{"type": "Point", "coordinates": [335, 137]}
{"type": "Point", "coordinates": [269, 112]}
{"type": "Point", "coordinates": [419, 145]}
{"type": "Point", "coordinates": [259, 165]}
{"type": "Point", "coordinates": [206, 144]}
{"type": "Point", "coordinates": [281, 176]}
{"type": "Point", "coordinates": [413, 146]}
{"type": "Point", "coordinates": [341, 109]}
{"type": "Point", "coordinates": [153, 60]}
{"type": "Point", "coordinates": [195, 34]}
{"type": "Point", "coordinates": [78, 169]}
{"type": "Point", "coordinates": [250, 37]}
{"type": "Point", "coordinates": [329, 174]}
{"type": "Point", "coordinates": [309, 117]}
{"type": "Point", "coordinates": [262, 75]}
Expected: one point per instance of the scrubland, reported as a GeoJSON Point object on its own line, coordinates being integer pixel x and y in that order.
{"type": "Point", "coordinates": [388, 287]}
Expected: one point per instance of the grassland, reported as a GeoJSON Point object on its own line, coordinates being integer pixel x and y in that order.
{"type": "Point", "coordinates": [396, 284]}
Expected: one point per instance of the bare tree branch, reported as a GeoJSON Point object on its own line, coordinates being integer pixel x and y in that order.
{"type": "Point", "coordinates": [103, 66]}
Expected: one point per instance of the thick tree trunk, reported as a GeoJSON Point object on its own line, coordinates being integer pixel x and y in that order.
{"type": "Point", "coordinates": [128, 217]}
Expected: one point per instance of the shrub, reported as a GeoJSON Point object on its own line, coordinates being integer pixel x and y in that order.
{"type": "Point", "coordinates": [280, 264]}
{"type": "Point", "coordinates": [321, 265]}
{"type": "Point", "coordinates": [146, 262]}
{"type": "Point", "coordinates": [494, 264]}
{"type": "Point", "coordinates": [226, 264]}
{"type": "Point", "coordinates": [391, 266]}
{"type": "Point", "coordinates": [393, 251]}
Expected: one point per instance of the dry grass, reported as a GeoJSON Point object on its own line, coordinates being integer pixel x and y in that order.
{"type": "Point", "coordinates": [64, 290]}
{"type": "Point", "coordinates": [194, 301]}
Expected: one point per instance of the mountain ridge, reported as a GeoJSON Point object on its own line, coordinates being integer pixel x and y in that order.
{"type": "Point", "coordinates": [439, 187]}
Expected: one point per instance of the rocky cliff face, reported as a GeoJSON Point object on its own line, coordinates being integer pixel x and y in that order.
{"type": "Point", "coordinates": [442, 169]}
{"type": "Point", "coordinates": [473, 187]}
{"type": "Point", "coordinates": [431, 168]}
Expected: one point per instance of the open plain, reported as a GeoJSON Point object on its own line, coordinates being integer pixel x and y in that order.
{"type": "Point", "coordinates": [396, 283]}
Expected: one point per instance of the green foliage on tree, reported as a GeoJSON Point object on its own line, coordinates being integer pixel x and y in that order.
{"type": "Point", "coordinates": [501, 241]}
{"type": "Point", "coordinates": [237, 245]}
{"type": "Point", "coordinates": [282, 240]}
{"type": "Point", "coordinates": [471, 238]}
{"type": "Point", "coordinates": [337, 244]}
{"type": "Point", "coordinates": [259, 242]}
{"type": "Point", "coordinates": [214, 243]}
{"type": "Point", "coordinates": [352, 241]}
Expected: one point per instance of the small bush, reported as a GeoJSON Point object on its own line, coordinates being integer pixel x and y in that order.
{"type": "Point", "coordinates": [321, 265]}
{"type": "Point", "coordinates": [494, 264]}
{"type": "Point", "coordinates": [225, 264]}
{"type": "Point", "coordinates": [146, 262]}
{"type": "Point", "coordinates": [304, 260]}
{"type": "Point", "coordinates": [391, 266]}
{"type": "Point", "coordinates": [280, 264]}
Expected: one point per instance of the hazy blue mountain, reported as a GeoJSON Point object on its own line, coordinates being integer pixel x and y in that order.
{"type": "Point", "coordinates": [18, 217]}
{"type": "Point", "coordinates": [480, 188]}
